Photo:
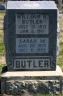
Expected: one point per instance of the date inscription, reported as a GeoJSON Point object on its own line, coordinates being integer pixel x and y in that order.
{"type": "Point", "coordinates": [32, 24]}
{"type": "Point", "coordinates": [32, 45]}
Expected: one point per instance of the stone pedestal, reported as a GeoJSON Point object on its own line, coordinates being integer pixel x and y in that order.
{"type": "Point", "coordinates": [32, 82]}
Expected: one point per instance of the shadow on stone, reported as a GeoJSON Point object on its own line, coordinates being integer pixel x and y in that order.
{"type": "Point", "coordinates": [4, 69]}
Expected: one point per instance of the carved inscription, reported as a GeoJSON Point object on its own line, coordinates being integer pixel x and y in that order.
{"type": "Point", "coordinates": [32, 45]}
{"type": "Point", "coordinates": [32, 24]}
{"type": "Point", "coordinates": [31, 63]}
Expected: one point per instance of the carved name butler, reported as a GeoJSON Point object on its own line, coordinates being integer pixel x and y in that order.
{"type": "Point", "coordinates": [32, 63]}
{"type": "Point", "coordinates": [32, 40]}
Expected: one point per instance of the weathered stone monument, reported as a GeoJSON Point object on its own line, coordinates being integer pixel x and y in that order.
{"type": "Point", "coordinates": [2, 8]}
{"type": "Point", "coordinates": [31, 39]}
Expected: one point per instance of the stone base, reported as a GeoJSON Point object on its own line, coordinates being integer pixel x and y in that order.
{"type": "Point", "coordinates": [32, 82]}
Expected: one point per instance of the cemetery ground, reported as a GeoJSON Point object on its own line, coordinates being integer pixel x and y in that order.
{"type": "Point", "coordinates": [2, 49]}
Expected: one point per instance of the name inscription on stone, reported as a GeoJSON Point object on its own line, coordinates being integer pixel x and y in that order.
{"type": "Point", "coordinates": [32, 45]}
{"type": "Point", "coordinates": [31, 63]}
{"type": "Point", "coordinates": [32, 24]}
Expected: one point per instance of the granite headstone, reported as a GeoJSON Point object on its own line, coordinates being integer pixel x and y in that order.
{"type": "Point", "coordinates": [31, 38]}
{"type": "Point", "coordinates": [30, 35]}
{"type": "Point", "coordinates": [2, 8]}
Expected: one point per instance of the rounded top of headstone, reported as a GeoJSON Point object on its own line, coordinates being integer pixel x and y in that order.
{"type": "Point", "coordinates": [31, 5]}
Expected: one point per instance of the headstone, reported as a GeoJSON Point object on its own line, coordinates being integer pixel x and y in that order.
{"type": "Point", "coordinates": [2, 8]}
{"type": "Point", "coordinates": [31, 39]}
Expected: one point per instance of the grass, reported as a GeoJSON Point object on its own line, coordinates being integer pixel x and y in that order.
{"type": "Point", "coordinates": [2, 51]}
{"type": "Point", "coordinates": [61, 22]}
{"type": "Point", "coordinates": [43, 95]}
{"type": "Point", "coordinates": [2, 47]}
{"type": "Point", "coordinates": [2, 16]}
{"type": "Point", "coordinates": [62, 8]}
{"type": "Point", "coordinates": [60, 56]}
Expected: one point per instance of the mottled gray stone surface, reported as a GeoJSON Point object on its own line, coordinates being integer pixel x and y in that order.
{"type": "Point", "coordinates": [33, 86]}
{"type": "Point", "coordinates": [32, 82]}
{"type": "Point", "coordinates": [10, 36]}
{"type": "Point", "coordinates": [58, 33]}
{"type": "Point", "coordinates": [2, 7]}
{"type": "Point", "coordinates": [31, 5]}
